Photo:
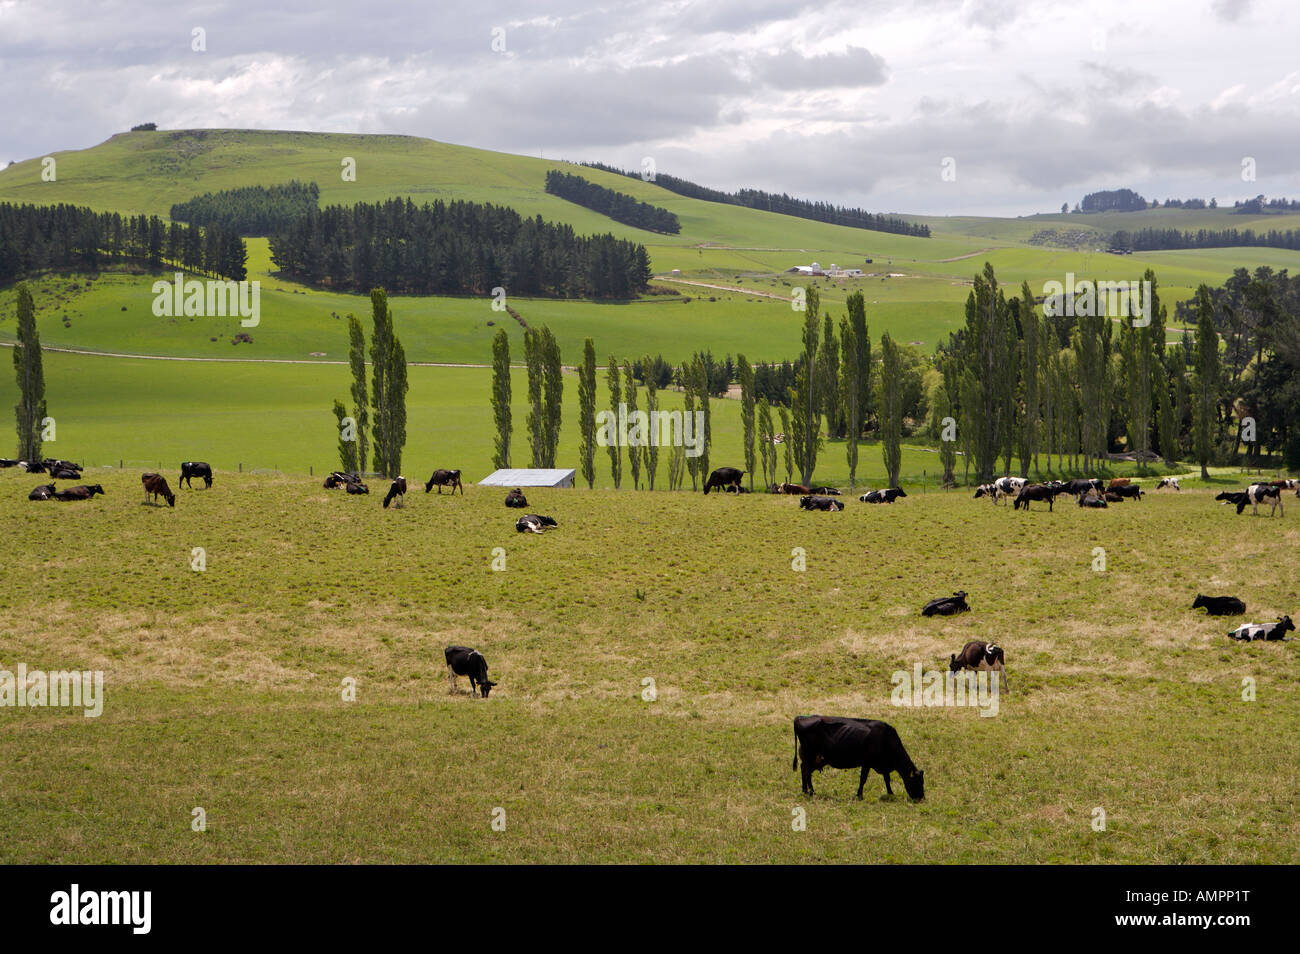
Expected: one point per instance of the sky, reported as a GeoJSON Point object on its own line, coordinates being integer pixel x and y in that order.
{"type": "Point", "coordinates": [942, 107]}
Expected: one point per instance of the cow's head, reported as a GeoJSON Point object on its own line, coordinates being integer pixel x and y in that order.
{"type": "Point", "coordinates": [1287, 624]}
{"type": "Point", "coordinates": [485, 687]}
{"type": "Point", "coordinates": [96, 489]}
{"type": "Point", "coordinates": [953, 665]}
{"type": "Point", "coordinates": [171, 499]}
{"type": "Point", "coordinates": [1200, 601]}
{"type": "Point", "coordinates": [915, 785]}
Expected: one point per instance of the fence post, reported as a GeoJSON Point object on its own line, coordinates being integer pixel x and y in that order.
{"type": "Point", "coordinates": [241, 466]}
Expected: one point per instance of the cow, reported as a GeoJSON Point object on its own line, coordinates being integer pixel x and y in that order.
{"type": "Point", "coordinates": [1032, 492]}
{"type": "Point", "coordinates": [396, 489]}
{"type": "Point", "coordinates": [80, 492]}
{"type": "Point", "coordinates": [1268, 631]}
{"type": "Point", "coordinates": [43, 492]}
{"type": "Point", "coordinates": [883, 496]}
{"type": "Point", "coordinates": [947, 605]}
{"type": "Point", "coordinates": [357, 487]}
{"type": "Point", "coordinates": [849, 743]}
{"type": "Point", "coordinates": [339, 478]}
{"type": "Point", "coordinates": [1170, 483]}
{"type": "Point", "coordinates": [979, 655]}
{"type": "Point", "coordinates": [738, 490]}
{"type": "Point", "coordinates": [1091, 500]}
{"type": "Point", "coordinates": [1082, 485]}
{"type": "Point", "coordinates": [61, 471]}
{"type": "Point", "coordinates": [1285, 483]}
{"type": "Point", "coordinates": [463, 661]}
{"type": "Point", "coordinates": [825, 491]}
{"type": "Point", "coordinates": [195, 468]}
{"type": "Point", "coordinates": [1219, 605]}
{"type": "Point", "coordinates": [534, 523]}
{"type": "Point", "coordinates": [156, 484]}
{"type": "Point", "coordinates": [813, 502]}
{"type": "Point", "coordinates": [31, 466]}
{"type": "Point", "coordinates": [1125, 491]}
{"type": "Point", "coordinates": [52, 464]}
{"type": "Point", "coordinates": [1254, 495]}
{"type": "Point", "coordinates": [444, 478]}
{"type": "Point", "coordinates": [794, 490]}
{"type": "Point", "coordinates": [1117, 482]}
{"type": "Point", "coordinates": [1009, 486]}
{"type": "Point", "coordinates": [516, 498]}
{"type": "Point", "coordinates": [1111, 497]}
{"type": "Point", "coordinates": [8, 462]}
{"type": "Point", "coordinates": [723, 478]}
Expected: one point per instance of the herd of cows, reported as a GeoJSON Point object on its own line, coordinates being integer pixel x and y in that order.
{"type": "Point", "coordinates": [820, 741]}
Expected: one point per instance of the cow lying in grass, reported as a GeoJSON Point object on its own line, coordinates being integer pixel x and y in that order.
{"type": "Point", "coordinates": [82, 492]}
{"type": "Point", "coordinates": [826, 491]}
{"type": "Point", "coordinates": [1268, 631]}
{"type": "Point", "coordinates": [883, 496]}
{"type": "Point", "coordinates": [794, 490]}
{"type": "Point", "coordinates": [812, 502]}
{"type": "Point", "coordinates": [156, 485]}
{"type": "Point", "coordinates": [463, 661]}
{"type": "Point", "coordinates": [851, 743]}
{"type": "Point", "coordinates": [1219, 605]}
{"type": "Point", "coordinates": [947, 605]}
{"type": "Point", "coordinates": [534, 523]}
{"type": "Point", "coordinates": [980, 656]}
{"type": "Point", "coordinates": [43, 492]}
{"type": "Point", "coordinates": [516, 498]}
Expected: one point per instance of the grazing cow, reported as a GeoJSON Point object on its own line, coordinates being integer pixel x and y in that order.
{"type": "Point", "coordinates": [1170, 482]}
{"type": "Point", "coordinates": [812, 502]}
{"type": "Point", "coordinates": [1083, 485]}
{"type": "Point", "coordinates": [987, 490]}
{"type": "Point", "coordinates": [80, 492]}
{"type": "Point", "coordinates": [1009, 486]}
{"type": "Point", "coordinates": [445, 478]}
{"type": "Point", "coordinates": [825, 491]}
{"type": "Point", "coordinates": [534, 523]}
{"type": "Point", "coordinates": [1032, 492]}
{"type": "Point", "coordinates": [516, 498]}
{"type": "Point", "coordinates": [979, 655]}
{"type": "Point", "coordinates": [463, 661]}
{"type": "Point", "coordinates": [396, 489]}
{"type": "Point", "coordinates": [1117, 482]}
{"type": "Point", "coordinates": [1254, 495]}
{"type": "Point", "coordinates": [723, 478]}
{"type": "Point", "coordinates": [340, 479]}
{"type": "Point", "coordinates": [1219, 605]}
{"type": "Point", "coordinates": [195, 468]}
{"type": "Point", "coordinates": [1125, 491]}
{"type": "Point", "coordinates": [43, 492]}
{"type": "Point", "coordinates": [357, 487]}
{"type": "Point", "coordinates": [850, 743]}
{"type": "Point", "coordinates": [1092, 500]}
{"type": "Point", "coordinates": [1269, 631]}
{"type": "Point", "coordinates": [156, 484]}
{"type": "Point", "coordinates": [796, 490]}
{"type": "Point", "coordinates": [883, 496]}
{"type": "Point", "coordinates": [947, 605]}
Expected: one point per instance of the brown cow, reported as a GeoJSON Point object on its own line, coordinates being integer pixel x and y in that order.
{"type": "Point", "coordinates": [1118, 482]}
{"type": "Point", "coordinates": [80, 492]}
{"type": "Point", "coordinates": [797, 490]}
{"type": "Point", "coordinates": [155, 485]}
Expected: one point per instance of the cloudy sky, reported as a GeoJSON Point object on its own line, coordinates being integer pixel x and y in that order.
{"type": "Point", "coordinates": [1035, 103]}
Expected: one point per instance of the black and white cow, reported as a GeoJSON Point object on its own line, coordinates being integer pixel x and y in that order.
{"type": "Point", "coordinates": [947, 605]}
{"type": "Point", "coordinates": [813, 502]}
{"type": "Point", "coordinates": [723, 478]}
{"type": "Point", "coordinates": [43, 492]}
{"type": "Point", "coordinates": [883, 496]}
{"type": "Point", "coordinates": [1269, 631]}
{"type": "Point", "coordinates": [979, 655]}
{"type": "Point", "coordinates": [195, 468]}
{"type": "Point", "coordinates": [516, 498]}
{"type": "Point", "coordinates": [397, 490]}
{"type": "Point", "coordinates": [444, 478]}
{"type": "Point", "coordinates": [1254, 495]}
{"type": "Point", "coordinates": [463, 661]}
{"type": "Point", "coordinates": [826, 491]}
{"type": "Point", "coordinates": [1010, 486]}
{"type": "Point", "coordinates": [534, 523]}
{"type": "Point", "coordinates": [1219, 605]}
{"type": "Point", "coordinates": [987, 490]}
{"type": "Point", "coordinates": [1170, 483]}
{"type": "Point", "coordinates": [852, 743]}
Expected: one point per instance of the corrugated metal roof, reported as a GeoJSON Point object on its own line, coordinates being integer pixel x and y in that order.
{"type": "Point", "coordinates": [529, 477]}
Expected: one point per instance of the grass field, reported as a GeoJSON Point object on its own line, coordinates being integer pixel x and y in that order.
{"type": "Point", "coordinates": [223, 687]}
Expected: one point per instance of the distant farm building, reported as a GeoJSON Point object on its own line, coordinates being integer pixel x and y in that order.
{"type": "Point", "coordinates": [528, 477]}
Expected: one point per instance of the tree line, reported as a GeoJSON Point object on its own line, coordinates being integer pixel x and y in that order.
{"type": "Point", "coordinates": [455, 248]}
{"type": "Point", "coordinates": [1151, 239]}
{"type": "Point", "coordinates": [252, 210]}
{"type": "Point", "coordinates": [784, 204]}
{"type": "Point", "coordinates": [618, 206]}
{"type": "Point", "coordinates": [34, 238]}
{"type": "Point", "coordinates": [377, 422]}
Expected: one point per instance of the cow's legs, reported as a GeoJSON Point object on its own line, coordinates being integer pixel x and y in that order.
{"type": "Point", "coordinates": [888, 788]}
{"type": "Point", "coordinates": [805, 766]}
{"type": "Point", "coordinates": [862, 780]}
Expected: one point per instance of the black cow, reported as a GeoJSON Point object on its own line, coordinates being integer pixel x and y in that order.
{"type": "Point", "coordinates": [52, 464]}
{"type": "Point", "coordinates": [8, 462]}
{"type": "Point", "coordinates": [534, 523]}
{"type": "Point", "coordinates": [1091, 500]}
{"type": "Point", "coordinates": [62, 472]}
{"type": "Point", "coordinates": [850, 743]}
{"type": "Point", "coordinates": [1031, 492]}
{"type": "Point", "coordinates": [81, 492]}
{"type": "Point", "coordinates": [1128, 490]}
{"type": "Point", "coordinates": [1219, 605]}
{"type": "Point", "coordinates": [883, 496]}
{"type": "Point", "coordinates": [826, 491]}
{"type": "Point", "coordinates": [195, 468]}
{"type": "Point", "coordinates": [357, 487]}
{"type": "Point", "coordinates": [445, 478]}
{"type": "Point", "coordinates": [156, 485]}
{"type": "Point", "coordinates": [516, 498]}
{"type": "Point", "coordinates": [1269, 631]}
{"type": "Point", "coordinates": [396, 489]}
{"type": "Point", "coordinates": [1083, 485]}
{"type": "Point", "coordinates": [340, 479]}
{"type": "Point", "coordinates": [947, 605]}
{"type": "Point", "coordinates": [43, 492]}
{"type": "Point", "coordinates": [723, 478]}
{"type": "Point", "coordinates": [31, 466]}
{"type": "Point", "coordinates": [820, 503]}
{"type": "Point", "coordinates": [979, 655]}
{"type": "Point", "coordinates": [463, 661]}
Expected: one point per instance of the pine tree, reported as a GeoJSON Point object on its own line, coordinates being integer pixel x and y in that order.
{"type": "Point", "coordinates": [30, 371]}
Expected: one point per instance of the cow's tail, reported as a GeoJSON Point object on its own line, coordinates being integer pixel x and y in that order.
{"type": "Point", "coordinates": [794, 766]}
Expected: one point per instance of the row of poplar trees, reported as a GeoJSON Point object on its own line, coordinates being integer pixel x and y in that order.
{"type": "Point", "coordinates": [30, 371]}
{"type": "Point", "coordinates": [378, 408]}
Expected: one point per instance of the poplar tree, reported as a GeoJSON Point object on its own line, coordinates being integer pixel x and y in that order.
{"type": "Point", "coordinates": [388, 389]}
{"type": "Point", "coordinates": [1207, 379]}
{"type": "Point", "coordinates": [891, 408]}
{"type": "Point", "coordinates": [347, 449]}
{"type": "Point", "coordinates": [30, 372]}
{"type": "Point", "coordinates": [633, 450]}
{"type": "Point", "coordinates": [533, 362]}
{"type": "Point", "coordinates": [766, 445]}
{"type": "Point", "coordinates": [501, 398]}
{"type": "Point", "coordinates": [651, 449]}
{"type": "Point", "coordinates": [552, 396]}
{"type": "Point", "coordinates": [360, 397]}
{"type": "Point", "coordinates": [615, 399]}
{"type": "Point", "coordinates": [786, 442]}
{"type": "Point", "coordinates": [855, 378]}
{"type": "Point", "coordinates": [1030, 343]}
{"type": "Point", "coordinates": [587, 413]}
{"type": "Point", "coordinates": [805, 403]}
{"type": "Point", "coordinates": [745, 376]}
